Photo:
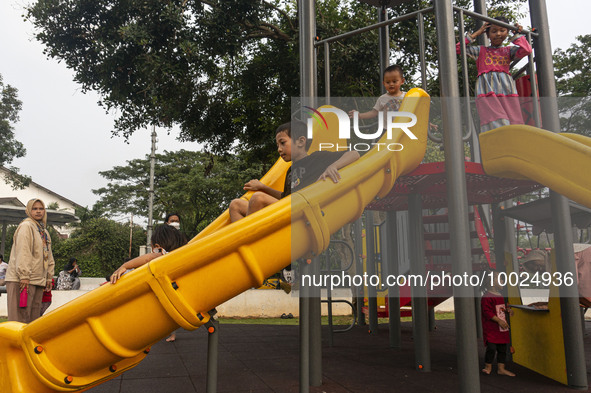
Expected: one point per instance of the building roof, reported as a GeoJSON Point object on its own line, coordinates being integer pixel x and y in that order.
{"type": "Point", "coordinates": [3, 168]}
{"type": "Point", "coordinates": [15, 214]}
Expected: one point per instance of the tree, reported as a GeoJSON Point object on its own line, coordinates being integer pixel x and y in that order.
{"type": "Point", "coordinates": [573, 74]}
{"type": "Point", "coordinates": [100, 245]}
{"type": "Point", "coordinates": [10, 148]}
{"type": "Point", "coordinates": [197, 185]}
{"type": "Point", "coordinates": [223, 70]}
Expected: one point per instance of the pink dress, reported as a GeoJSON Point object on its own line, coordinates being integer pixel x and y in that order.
{"type": "Point", "coordinates": [497, 100]}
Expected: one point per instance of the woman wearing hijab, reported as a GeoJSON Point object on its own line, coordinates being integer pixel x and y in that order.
{"type": "Point", "coordinates": [31, 265]}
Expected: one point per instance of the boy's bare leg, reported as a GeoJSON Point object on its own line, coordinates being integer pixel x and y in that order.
{"type": "Point", "coordinates": [487, 368]}
{"type": "Point", "coordinates": [238, 209]}
{"type": "Point", "coordinates": [503, 371]}
{"type": "Point", "coordinates": [258, 201]}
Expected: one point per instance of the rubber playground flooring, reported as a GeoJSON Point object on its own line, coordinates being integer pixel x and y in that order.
{"type": "Point", "coordinates": [265, 358]}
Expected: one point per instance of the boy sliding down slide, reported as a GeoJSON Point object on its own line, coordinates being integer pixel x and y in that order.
{"type": "Point", "coordinates": [292, 145]}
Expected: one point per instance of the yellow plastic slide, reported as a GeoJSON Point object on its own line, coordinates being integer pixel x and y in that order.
{"type": "Point", "coordinates": [560, 162]}
{"type": "Point", "coordinates": [109, 330]}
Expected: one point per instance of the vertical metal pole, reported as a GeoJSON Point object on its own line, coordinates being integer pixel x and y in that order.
{"type": "Point", "coordinates": [327, 72]}
{"type": "Point", "coordinates": [358, 227]}
{"type": "Point", "coordinates": [384, 42]}
{"type": "Point", "coordinates": [305, 334]}
{"type": "Point", "coordinates": [474, 143]}
{"type": "Point", "coordinates": [307, 27]}
{"type": "Point", "coordinates": [423, 63]}
{"type": "Point", "coordinates": [531, 71]}
{"type": "Point", "coordinates": [151, 195]}
{"type": "Point", "coordinates": [307, 24]}
{"type": "Point", "coordinates": [372, 300]}
{"type": "Point", "coordinates": [315, 329]}
{"type": "Point", "coordinates": [420, 322]}
{"type": "Point", "coordinates": [480, 7]}
{"type": "Point", "coordinates": [431, 311]}
{"type": "Point", "coordinates": [468, 365]}
{"type": "Point", "coordinates": [394, 324]}
{"type": "Point", "coordinates": [212, 358]}
{"type": "Point", "coordinates": [561, 220]}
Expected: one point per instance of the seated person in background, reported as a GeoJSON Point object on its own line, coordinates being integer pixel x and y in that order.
{"type": "Point", "coordinates": [293, 145]}
{"type": "Point", "coordinates": [68, 278]}
{"type": "Point", "coordinates": [164, 239]}
{"type": "Point", "coordinates": [3, 267]}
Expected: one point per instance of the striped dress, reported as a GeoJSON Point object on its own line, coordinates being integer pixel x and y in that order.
{"type": "Point", "coordinates": [496, 95]}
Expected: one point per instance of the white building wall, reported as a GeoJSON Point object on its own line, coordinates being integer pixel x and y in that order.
{"type": "Point", "coordinates": [35, 190]}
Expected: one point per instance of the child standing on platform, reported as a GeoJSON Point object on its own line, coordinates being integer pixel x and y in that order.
{"type": "Point", "coordinates": [497, 100]}
{"type": "Point", "coordinates": [393, 79]}
{"type": "Point", "coordinates": [495, 329]}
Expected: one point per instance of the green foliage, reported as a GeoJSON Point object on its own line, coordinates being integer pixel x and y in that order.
{"type": "Point", "coordinates": [223, 70]}
{"type": "Point", "coordinates": [573, 74]}
{"type": "Point", "coordinates": [197, 185]}
{"type": "Point", "coordinates": [100, 245]}
{"type": "Point", "coordinates": [10, 148]}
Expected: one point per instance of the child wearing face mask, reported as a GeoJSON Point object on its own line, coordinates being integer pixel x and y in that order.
{"type": "Point", "coordinates": [164, 239]}
{"type": "Point", "coordinates": [174, 220]}
{"type": "Point", "coordinates": [497, 100]}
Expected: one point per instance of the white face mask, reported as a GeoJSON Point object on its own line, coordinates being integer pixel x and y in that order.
{"type": "Point", "coordinates": [176, 225]}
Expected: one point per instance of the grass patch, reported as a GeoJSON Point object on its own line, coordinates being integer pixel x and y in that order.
{"type": "Point", "coordinates": [3, 319]}
{"type": "Point", "coordinates": [336, 320]}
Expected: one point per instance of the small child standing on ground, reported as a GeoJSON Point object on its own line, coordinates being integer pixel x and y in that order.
{"type": "Point", "coordinates": [393, 79]}
{"type": "Point", "coordinates": [47, 297]}
{"type": "Point", "coordinates": [497, 100]}
{"type": "Point", "coordinates": [495, 329]}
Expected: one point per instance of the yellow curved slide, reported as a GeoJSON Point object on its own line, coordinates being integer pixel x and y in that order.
{"type": "Point", "coordinates": [109, 330]}
{"type": "Point", "coordinates": [560, 162]}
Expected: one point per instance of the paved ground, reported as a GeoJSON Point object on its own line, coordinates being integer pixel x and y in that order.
{"type": "Point", "coordinates": [255, 358]}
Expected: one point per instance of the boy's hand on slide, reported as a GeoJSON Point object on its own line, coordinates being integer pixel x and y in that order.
{"type": "Point", "coordinates": [331, 172]}
{"type": "Point", "coordinates": [503, 324]}
{"type": "Point", "coordinates": [254, 185]}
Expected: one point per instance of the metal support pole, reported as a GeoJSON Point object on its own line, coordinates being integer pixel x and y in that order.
{"type": "Point", "coordinates": [151, 195]}
{"type": "Point", "coordinates": [307, 28]}
{"type": "Point", "coordinates": [327, 72]}
{"type": "Point", "coordinates": [384, 42]}
{"type": "Point", "coordinates": [212, 356]}
{"type": "Point", "coordinates": [478, 312]}
{"type": "Point", "coordinates": [533, 80]}
{"type": "Point", "coordinates": [315, 329]}
{"type": "Point", "coordinates": [307, 24]}
{"type": "Point", "coordinates": [305, 334]}
{"type": "Point", "coordinates": [420, 312]}
{"type": "Point", "coordinates": [372, 300]}
{"type": "Point", "coordinates": [358, 227]}
{"type": "Point", "coordinates": [394, 324]}
{"type": "Point", "coordinates": [422, 62]}
{"type": "Point", "coordinates": [468, 364]}
{"type": "Point", "coordinates": [561, 220]}
{"type": "Point", "coordinates": [480, 8]}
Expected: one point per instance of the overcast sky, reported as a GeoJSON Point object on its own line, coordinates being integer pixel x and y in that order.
{"type": "Point", "coordinates": [67, 135]}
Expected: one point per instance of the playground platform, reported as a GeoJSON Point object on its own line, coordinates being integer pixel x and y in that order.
{"type": "Point", "coordinates": [265, 358]}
